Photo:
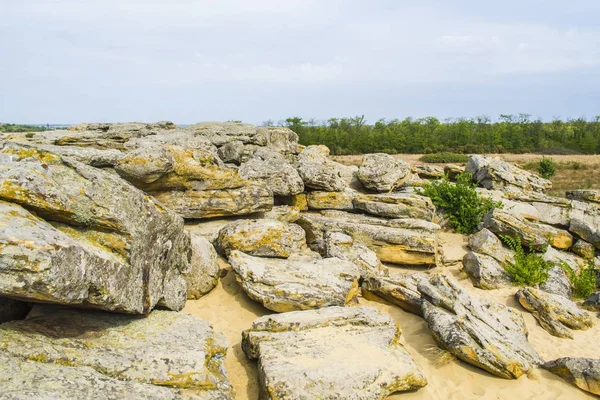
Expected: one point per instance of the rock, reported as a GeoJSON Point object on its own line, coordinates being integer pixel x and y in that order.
{"type": "Point", "coordinates": [557, 283]}
{"type": "Point", "coordinates": [280, 139]}
{"type": "Point", "coordinates": [349, 174]}
{"type": "Point", "coordinates": [485, 271]}
{"type": "Point", "coordinates": [556, 237]}
{"type": "Point", "coordinates": [88, 155]}
{"type": "Point", "coordinates": [503, 223]}
{"type": "Point", "coordinates": [233, 152]}
{"type": "Point", "coordinates": [298, 283]}
{"type": "Point", "coordinates": [13, 309]}
{"type": "Point", "coordinates": [486, 334]}
{"type": "Point", "coordinates": [391, 244]}
{"type": "Point", "coordinates": [453, 170]}
{"type": "Point", "coordinates": [381, 172]}
{"type": "Point", "coordinates": [262, 237]}
{"type": "Point", "coordinates": [425, 171]}
{"type": "Point", "coordinates": [318, 172]}
{"type": "Point", "coordinates": [283, 214]}
{"type": "Point", "coordinates": [592, 303]}
{"type": "Point", "coordinates": [493, 173]}
{"type": "Point", "coordinates": [583, 249]}
{"type": "Point", "coordinates": [299, 201]}
{"type": "Point", "coordinates": [342, 246]}
{"type": "Point", "coordinates": [331, 353]}
{"type": "Point", "coordinates": [485, 242]}
{"type": "Point", "coordinates": [163, 353]}
{"type": "Point", "coordinates": [204, 268]}
{"type": "Point", "coordinates": [209, 228]}
{"type": "Point", "coordinates": [73, 234]}
{"type": "Point", "coordinates": [556, 314]}
{"type": "Point", "coordinates": [587, 195]}
{"type": "Point", "coordinates": [319, 200]}
{"type": "Point", "coordinates": [581, 372]}
{"type": "Point", "coordinates": [274, 171]}
{"type": "Point", "coordinates": [586, 231]}
{"type": "Point", "coordinates": [404, 223]}
{"type": "Point", "coordinates": [396, 205]}
{"type": "Point", "coordinates": [399, 289]}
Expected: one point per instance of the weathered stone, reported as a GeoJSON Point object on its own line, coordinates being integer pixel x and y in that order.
{"type": "Point", "coordinates": [398, 288]}
{"type": "Point", "coordinates": [381, 172]}
{"type": "Point", "coordinates": [558, 283]}
{"type": "Point", "coordinates": [101, 242]}
{"type": "Point", "coordinates": [204, 268]}
{"type": "Point", "coordinates": [556, 237]}
{"type": "Point", "coordinates": [555, 313]}
{"type": "Point", "coordinates": [485, 242]}
{"type": "Point", "coordinates": [344, 247]}
{"type": "Point", "coordinates": [299, 201]}
{"type": "Point", "coordinates": [425, 171]}
{"type": "Point", "coordinates": [493, 173]}
{"type": "Point", "coordinates": [453, 170]}
{"type": "Point", "coordinates": [583, 249]}
{"type": "Point", "coordinates": [274, 171]}
{"type": "Point", "coordinates": [318, 172]}
{"type": "Point", "coordinates": [262, 237]}
{"type": "Point", "coordinates": [592, 303]}
{"type": "Point", "coordinates": [404, 223]}
{"type": "Point", "coordinates": [13, 309]}
{"type": "Point", "coordinates": [87, 155]}
{"type": "Point", "coordinates": [349, 174]}
{"type": "Point", "coordinates": [581, 372]}
{"type": "Point", "coordinates": [279, 139]}
{"type": "Point", "coordinates": [391, 244]}
{"type": "Point", "coordinates": [233, 152]}
{"type": "Point", "coordinates": [319, 200]}
{"type": "Point", "coordinates": [587, 195]}
{"type": "Point", "coordinates": [298, 283]}
{"type": "Point", "coordinates": [396, 205]}
{"type": "Point", "coordinates": [283, 214]}
{"type": "Point", "coordinates": [331, 353]}
{"type": "Point", "coordinates": [485, 271]}
{"type": "Point", "coordinates": [481, 332]}
{"type": "Point", "coordinates": [170, 350]}
{"type": "Point", "coordinates": [502, 223]}
{"type": "Point", "coordinates": [586, 231]}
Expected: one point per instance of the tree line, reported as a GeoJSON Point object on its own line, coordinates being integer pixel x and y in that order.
{"type": "Point", "coordinates": [508, 134]}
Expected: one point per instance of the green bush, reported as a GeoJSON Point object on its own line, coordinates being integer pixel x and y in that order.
{"type": "Point", "coordinates": [529, 267]}
{"type": "Point", "coordinates": [547, 168]}
{"type": "Point", "coordinates": [460, 202]}
{"type": "Point", "coordinates": [444, 158]}
{"type": "Point", "coordinates": [584, 284]}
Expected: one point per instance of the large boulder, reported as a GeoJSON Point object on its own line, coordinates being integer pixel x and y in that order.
{"type": "Point", "coordinates": [485, 271]}
{"type": "Point", "coordinates": [204, 268]}
{"type": "Point", "coordinates": [399, 289]}
{"type": "Point", "coordinates": [262, 237]}
{"type": "Point", "coordinates": [382, 173]}
{"type": "Point", "coordinates": [485, 242]}
{"type": "Point", "coordinates": [396, 205]}
{"type": "Point", "coordinates": [74, 234]}
{"type": "Point", "coordinates": [274, 171]}
{"type": "Point", "coordinates": [388, 238]}
{"type": "Point", "coordinates": [318, 172]}
{"type": "Point", "coordinates": [331, 353]}
{"type": "Point", "coordinates": [503, 223]}
{"type": "Point", "coordinates": [583, 249]}
{"type": "Point", "coordinates": [555, 313]}
{"type": "Point", "coordinates": [493, 173]}
{"type": "Point", "coordinates": [77, 354]}
{"type": "Point", "coordinates": [344, 247]}
{"type": "Point", "coordinates": [319, 200]}
{"type": "Point", "coordinates": [587, 195]}
{"type": "Point", "coordinates": [586, 230]}
{"type": "Point", "coordinates": [298, 283]}
{"type": "Point", "coordinates": [581, 372]}
{"type": "Point", "coordinates": [481, 332]}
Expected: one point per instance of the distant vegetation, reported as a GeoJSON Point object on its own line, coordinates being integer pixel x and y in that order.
{"type": "Point", "coordinates": [21, 128]}
{"type": "Point", "coordinates": [509, 134]}
{"type": "Point", "coordinates": [444, 157]}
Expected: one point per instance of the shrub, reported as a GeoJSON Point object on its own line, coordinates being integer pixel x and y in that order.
{"type": "Point", "coordinates": [460, 202]}
{"type": "Point", "coordinates": [529, 267]}
{"type": "Point", "coordinates": [584, 284]}
{"type": "Point", "coordinates": [547, 168]}
{"type": "Point", "coordinates": [444, 158]}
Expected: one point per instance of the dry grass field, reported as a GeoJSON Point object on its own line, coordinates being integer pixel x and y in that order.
{"type": "Point", "coordinates": [572, 172]}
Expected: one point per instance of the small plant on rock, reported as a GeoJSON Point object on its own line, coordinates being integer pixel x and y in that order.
{"type": "Point", "coordinates": [583, 283]}
{"type": "Point", "coordinates": [460, 202]}
{"type": "Point", "coordinates": [547, 168]}
{"type": "Point", "coordinates": [529, 267]}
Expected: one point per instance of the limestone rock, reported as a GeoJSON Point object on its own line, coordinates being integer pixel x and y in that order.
{"type": "Point", "coordinates": [298, 283]}
{"type": "Point", "coordinates": [581, 372]}
{"type": "Point", "coordinates": [503, 223]}
{"type": "Point", "coordinates": [485, 242]}
{"type": "Point", "coordinates": [136, 355]}
{"type": "Point", "coordinates": [558, 283]}
{"type": "Point", "coordinates": [556, 237]}
{"type": "Point", "coordinates": [319, 200]}
{"type": "Point", "coordinates": [585, 230]}
{"type": "Point", "coordinates": [587, 195]}
{"type": "Point", "coordinates": [233, 152]}
{"type": "Point", "coordinates": [583, 249]}
{"type": "Point", "coordinates": [486, 334]}
{"type": "Point", "coordinates": [555, 313]}
{"type": "Point", "coordinates": [94, 240]}
{"type": "Point", "coordinates": [331, 353]}
{"type": "Point", "coordinates": [485, 271]}
{"type": "Point", "coordinates": [318, 172]}
{"type": "Point", "coordinates": [342, 246]}
{"type": "Point", "coordinates": [399, 289]}
{"type": "Point", "coordinates": [13, 309]}
{"type": "Point", "coordinates": [262, 237]}
{"type": "Point", "coordinates": [493, 173]}
{"type": "Point", "coordinates": [381, 172]}
{"type": "Point", "coordinates": [453, 170]}
{"type": "Point", "coordinates": [396, 205]}
{"type": "Point", "coordinates": [299, 201]}
{"type": "Point", "coordinates": [204, 268]}
{"type": "Point", "coordinates": [274, 171]}
{"type": "Point", "coordinates": [592, 303]}
{"type": "Point", "coordinates": [426, 171]}
{"type": "Point", "coordinates": [283, 214]}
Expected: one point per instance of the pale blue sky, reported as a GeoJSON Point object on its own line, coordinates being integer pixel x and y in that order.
{"type": "Point", "coordinates": [69, 61]}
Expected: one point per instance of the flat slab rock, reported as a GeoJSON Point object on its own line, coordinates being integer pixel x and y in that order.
{"type": "Point", "coordinates": [555, 313]}
{"type": "Point", "coordinates": [71, 352]}
{"type": "Point", "coordinates": [301, 282]}
{"type": "Point", "coordinates": [486, 334]}
{"type": "Point", "coordinates": [581, 372]}
{"type": "Point", "coordinates": [331, 353]}
{"type": "Point", "coordinates": [399, 288]}
{"type": "Point", "coordinates": [494, 173]}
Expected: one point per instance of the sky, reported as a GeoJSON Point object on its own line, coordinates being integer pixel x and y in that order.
{"type": "Point", "coordinates": [72, 61]}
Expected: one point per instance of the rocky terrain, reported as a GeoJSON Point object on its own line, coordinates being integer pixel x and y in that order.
{"type": "Point", "coordinates": [294, 271]}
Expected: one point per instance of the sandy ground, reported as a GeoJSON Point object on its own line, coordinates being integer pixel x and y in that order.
{"type": "Point", "coordinates": [230, 311]}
